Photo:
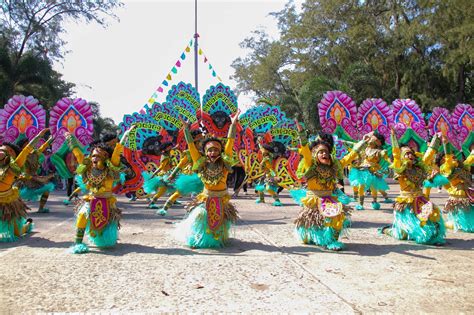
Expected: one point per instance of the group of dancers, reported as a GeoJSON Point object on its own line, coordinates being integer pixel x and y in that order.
{"type": "Point", "coordinates": [202, 172]}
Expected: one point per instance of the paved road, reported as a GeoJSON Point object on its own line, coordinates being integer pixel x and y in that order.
{"type": "Point", "coordinates": [265, 269]}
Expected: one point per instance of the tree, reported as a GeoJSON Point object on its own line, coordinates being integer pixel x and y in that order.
{"type": "Point", "coordinates": [36, 25]}
{"type": "Point", "coordinates": [389, 49]}
{"type": "Point", "coordinates": [102, 125]}
{"type": "Point", "coordinates": [33, 75]}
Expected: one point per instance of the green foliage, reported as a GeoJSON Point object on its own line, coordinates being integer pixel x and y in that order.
{"type": "Point", "coordinates": [102, 125]}
{"type": "Point", "coordinates": [389, 49]}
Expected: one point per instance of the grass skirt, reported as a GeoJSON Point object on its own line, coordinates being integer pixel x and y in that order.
{"type": "Point", "coordinates": [109, 235]}
{"type": "Point", "coordinates": [461, 213]}
{"type": "Point", "coordinates": [194, 230]}
{"type": "Point", "coordinates": [34, 194]}
{"type": "Point", "coordinates": [189, 184]}
{"type": "Point", "coordinates": [407, 226]}
{"type": "Point", "coordinates": [12, 211]}
{"type": "Point", "coordinates": [312, 227]}
{"type": "Point", "coordinates": [363, 177]}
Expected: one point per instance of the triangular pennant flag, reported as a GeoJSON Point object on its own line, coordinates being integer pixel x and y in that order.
{"type": "Point", "coordinates": [142, 111]}
{"type": "Point", "coordinates": [174, 70]}
{"type": "Point", "coordinates": [210, 66]}
{"type": "Point", "coordinates": [151, 101]}
{"type": "Point", "coordinates": [178, 63]}
{"type": "Point", "coordinates": [160, 90]}
{"type": "Point", "coordinates": [200, 51]}
{"type": "Point", "coordinates": [154, 95]}
{"type": "Point", "coordinates": [191, 42]}
{"type": "Point", "coordinates": [183, 56]}
{"type": "Point", "coordinates": [168, 77]}
{"type": "Point", "coordinates": [205, 59]}
{"type": "Point", "coordinates": [213, 73]}
{"type": "Point", "coordinates": [188, 49]}
{"type": "Point", "coordinates": [165, 83]}
{"type": "Point", "coordinates": [219, 78]}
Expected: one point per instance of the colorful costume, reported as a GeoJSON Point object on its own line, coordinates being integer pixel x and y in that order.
{"type": "Point", "coordinates": [324, 215]}
{"type": "Point", "coordinates": [460, 205]}
{"type": "Point", "coordinates": [97, 213]}
{"type": "Point", "coordinates": [269, 181]}
{"type": "Point", "coordinates": [187, 182]}
{"type": "Point", "coordinates": [416, 218]}
{"type": "Point", "coordinates": [211, 214]}
{"type": "Point", "coordinates": [13, 216]}
{"type": "Point", "coordinates": [368, 174]}
{"type": "Point", "coordinates": [34, 186]}
{"type": "Point", "coordinates": [159, 183]}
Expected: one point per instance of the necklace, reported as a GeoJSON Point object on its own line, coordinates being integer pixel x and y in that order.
{"type": "Point", "coordinates": [95, 177]}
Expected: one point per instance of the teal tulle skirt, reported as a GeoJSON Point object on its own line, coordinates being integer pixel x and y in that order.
{"type": "Point", "coordinates": [188, 184]}
{"type": "Point", "coordinates": [463, 219]}
{"type": "Point", "coordinates": [363, 177]}
{"type": "Point", "coordinates": [7, 232]}
{"type": "Point", "coordinates": [109, 234]}
{"type": "Point", "coordinates": [321, 236]}
{"type": "Point", "coordinates": [407, 226]}
{"type": "Point", "coordinates": [437, 181]}
{"type": "Point", "coordinates": [194, 230]}
{"type": "Point", "coordinates": [34, 194]}
{"type": "Point", "coordinates": [151, 183]}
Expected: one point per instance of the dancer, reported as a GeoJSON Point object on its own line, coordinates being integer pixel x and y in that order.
{"type": "Point", "coordinates": [460, 205]}
{"type": "Point", "coordinates": [325, 213]}
{"type": "Point", "coordinates": [32, 185]}
{"type": "Point", "coordinates": [187, 182]}
{"type": "Point", "coordinates": [210, 214]}
{"type": "Point", "coordinates": [367, 174]}
{"type": "Point", "coordinates": [97, 214]}
{"type": "Point", "coordinates": [155, 183]}
{"type": "Point", "coordinates": [269, 182]}
{"type": "Point", "coordinates": [13, 216]}
{"type": "Point", "coordinates": [416, 218]}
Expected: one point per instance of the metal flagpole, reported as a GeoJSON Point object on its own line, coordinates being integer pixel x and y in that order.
{"type": "Point", "coordinates": [196, 36]}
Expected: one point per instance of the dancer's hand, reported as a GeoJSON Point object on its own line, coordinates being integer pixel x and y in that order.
{"type": "Point", "coordinates": [236, 117]}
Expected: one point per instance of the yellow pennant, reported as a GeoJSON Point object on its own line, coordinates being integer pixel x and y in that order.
{"type": "Point", "coordinates": [188, 49]}
{"type": "Point", "coordinates": [168, 77]}
{"type": "Point", "coordinates": [200, 51]}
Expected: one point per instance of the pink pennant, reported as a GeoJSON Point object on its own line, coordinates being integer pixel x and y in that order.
{"type": "Point", "coordinates": [160, 89]}
{"type": "Point", "coordinates": [205, 59]}
{"type": "Point", "coordinates": [178, 63]}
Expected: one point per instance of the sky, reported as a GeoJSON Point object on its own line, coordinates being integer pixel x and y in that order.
{"type": "Point", "coordinates": [120, 66]}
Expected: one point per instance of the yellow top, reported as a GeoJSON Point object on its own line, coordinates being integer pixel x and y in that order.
{"type": "Point", "coordinates": [411, 179]}
{"type": "Point", "coordinates": [316, 183]}
{"type": "Point", "coordinates": [459, 176]}
{"type": "Point", "coordinates": [10, 177]}
{"type": "Point", "coordinates": [372, 158]}
{"type": "Point", "coordinates": [108, 182]}
{"type": "Point", "coordinates": [228, 150]}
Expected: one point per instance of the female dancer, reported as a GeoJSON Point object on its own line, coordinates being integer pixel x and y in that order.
{"type": "Point", "coordinates": [211, 214]}
{"type": "Point", "coordinates": [367, 173]}
{"type": "Point", "coordinates": [187, 182]}
{"type": "Point", "coordinates": [13, 217]}
{"type": "Point", "coordinates": [34, 186]}
{"type": "Point", "coordinates": [324, 213]}
{"type": "Point", "coordinates": [460, 205]}
{"type": "Point", "coordinates": [97, 214]}
{"type": "Point", "coordinates": [269, 182]}
{"type": "Point", "coordinates": [416, 218]}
